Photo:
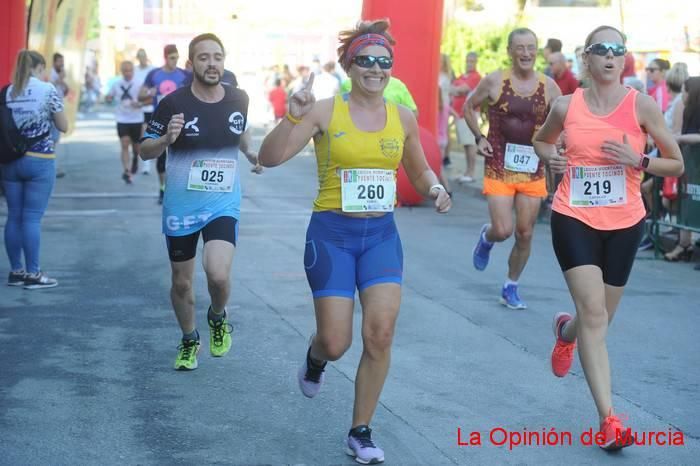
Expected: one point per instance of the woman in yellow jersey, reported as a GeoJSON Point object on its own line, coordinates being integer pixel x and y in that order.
{"type": "Point", "coordinates": [352, 241]}
{"type": "Point", "coordinates": [597, 214]}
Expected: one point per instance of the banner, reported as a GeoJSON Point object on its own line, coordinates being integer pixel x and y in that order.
{"type": "Point", "coordinates": [42, 28]}
{"type": "Point", "coordinates": [69, 40]}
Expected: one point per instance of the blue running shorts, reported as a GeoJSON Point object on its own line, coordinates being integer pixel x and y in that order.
{"type": "Point", "coordinates": [343, 253]}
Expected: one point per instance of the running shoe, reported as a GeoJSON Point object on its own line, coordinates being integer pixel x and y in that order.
{"type": "Point", "coordinates": [310, 375]}
{"type": "Point", "coordinates": [511, 299]}
{"type": "Point", "coordinates": [360, 445]}
{"type": "Point", "coordinates": [465, 179]}
{"type": "Point", "coordinates": [187, 355]}
{"type": "Point", "coordinates": [563, 352]}
{"type": "Point", "coordinates": [126, 177]}
{"type": "Point", "coordinates": [616, 435]}
{"type": "Point", "coordinates": [219, 336]}
{"type": "Point", "coordinates": [480, 254]}
{"type": "Point", "coordinates": [16, 278]}
{"type": "Point", "coordinates": [37, 281]}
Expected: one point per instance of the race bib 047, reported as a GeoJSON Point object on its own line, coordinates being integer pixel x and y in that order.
{"type": "Point", "coordinates": [520, 158]}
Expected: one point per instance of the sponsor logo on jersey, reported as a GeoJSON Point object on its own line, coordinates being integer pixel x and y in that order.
{"type": "Point", "coordinates": [237, 123]}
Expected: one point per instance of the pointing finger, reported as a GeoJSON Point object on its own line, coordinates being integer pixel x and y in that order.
{"type": "Point", "coordinates": [310, 82]}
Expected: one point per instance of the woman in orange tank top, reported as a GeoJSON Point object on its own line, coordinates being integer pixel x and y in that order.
{"type": "Point", "coordinates": [597, 214]}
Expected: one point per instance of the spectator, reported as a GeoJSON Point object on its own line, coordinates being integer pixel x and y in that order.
{"type": "Point", "coordinates": [552, 46]}
{"type": "Point", "coordinates": [674, 122]}
{"type": "Point", "coordinates": [656, 74]}
{"type": "Point", "coordinates": [278, 100]}
{"type": "Point", "coordinates": [561, 74]}
{"type": "Point", "coordinates": [444, 81]}
{"type": "Point", "coordinates": [58, 78]}
{"type": "Point", "coordinates": [628, 70]}
{"type": "Point", "coordinates": [461, 88]}
{"type": "Point", "coordinates": [37, 110]}
{"type": "Point", "coordinates": [690, 134]}
{"type": "Point", "coordinates": [325, 83]}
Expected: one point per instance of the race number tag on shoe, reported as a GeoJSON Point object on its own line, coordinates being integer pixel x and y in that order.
{"type": "Point", "coordinates": [368, 190]}
{"type": "Point", "coordinates": [597, 186]}
{"type": "Point", "coordinates": [520, 158]}
{"type": "Point", "coordinates": [212, 175]}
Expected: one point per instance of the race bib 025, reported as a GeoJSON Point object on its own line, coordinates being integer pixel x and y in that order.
{"type": "Point", "coordinates": [212, 175]}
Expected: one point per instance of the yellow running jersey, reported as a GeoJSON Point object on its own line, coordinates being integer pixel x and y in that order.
{"type": "Point", "coordinates": [343, 146]}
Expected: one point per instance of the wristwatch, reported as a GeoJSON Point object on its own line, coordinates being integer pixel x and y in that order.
{"type": "Point", "coordinates": [479, 138]}
{"type": "Point", "coordinates": [643, 162]}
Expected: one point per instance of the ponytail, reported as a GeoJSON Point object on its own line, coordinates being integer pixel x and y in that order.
{"type": "Point", "coordinates": [27, 60]}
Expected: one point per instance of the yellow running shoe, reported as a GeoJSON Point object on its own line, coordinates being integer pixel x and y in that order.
{"type": "Point", "coordinates": [219, 336]}
{"type": "Point", "coordinates": [187, 355]}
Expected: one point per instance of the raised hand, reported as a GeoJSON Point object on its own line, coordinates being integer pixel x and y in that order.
{"type": "Point", "coordinates": [175, 125]}
{"type": "Point", "coordinates": [302, 101]}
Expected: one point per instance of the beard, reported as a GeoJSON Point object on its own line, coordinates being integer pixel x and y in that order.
{"type": "Point", "coordinates": [202, 79]}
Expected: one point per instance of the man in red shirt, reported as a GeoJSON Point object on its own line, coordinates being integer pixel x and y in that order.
{"type": "Point", "coordinates": [461, 87]}
{"type": "Point", "coordinates": [564, 78]}
{"type": "Point", "coordinates": [278, 100]}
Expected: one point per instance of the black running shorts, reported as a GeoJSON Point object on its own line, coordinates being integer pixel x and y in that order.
{"type": "Point", "coordinates": [184, 248]}
{"type": "Point", "coordinates": [576, 244]}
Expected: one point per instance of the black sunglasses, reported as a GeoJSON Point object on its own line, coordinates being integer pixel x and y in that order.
{"type": "Point", "coordinates": [601, 49]}
{"type": "Point", "coordinates": [651, 70]}
{"type": "Point", "coordinates": [368, 61]}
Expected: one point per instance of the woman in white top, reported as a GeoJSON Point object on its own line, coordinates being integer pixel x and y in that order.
{"type": "Point", "coordinates": [28, 181]}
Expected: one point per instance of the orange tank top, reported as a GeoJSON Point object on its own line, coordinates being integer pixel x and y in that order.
{"type": "Point", "coordinates": [594, 190]}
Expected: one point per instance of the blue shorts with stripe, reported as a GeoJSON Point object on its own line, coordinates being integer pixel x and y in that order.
{"type": "Point", "coordinates": [347, 253]}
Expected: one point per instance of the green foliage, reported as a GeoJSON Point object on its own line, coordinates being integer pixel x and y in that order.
{"type": "Point", "coordinates": [94, 21]}
{"type": "Point", "coordinates": [488, 41]}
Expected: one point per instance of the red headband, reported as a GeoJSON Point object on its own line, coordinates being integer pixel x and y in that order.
{"type": "Point", "coordinates": [363, 41]}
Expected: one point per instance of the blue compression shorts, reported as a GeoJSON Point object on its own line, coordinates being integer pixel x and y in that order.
{"type": "Point", "coordinates": [343, 253]}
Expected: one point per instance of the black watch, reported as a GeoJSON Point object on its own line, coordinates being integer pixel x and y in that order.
{"type": "Point", "coordinates": [644, 163]}
{"type": "Point", "coordinates": [479, 138]}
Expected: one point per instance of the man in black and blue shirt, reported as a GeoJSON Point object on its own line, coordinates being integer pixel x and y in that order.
{"type": "Point", "coordinates": [202, 127]}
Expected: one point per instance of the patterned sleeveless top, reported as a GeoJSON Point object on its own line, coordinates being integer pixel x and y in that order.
{"type": "Point", "coordinates": [514, 118]}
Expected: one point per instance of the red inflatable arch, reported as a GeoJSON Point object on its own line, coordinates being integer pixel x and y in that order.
{"type": "Point", "coordinates": [13, 36]}
{"type": "Point", "coordinates": [418, 31]}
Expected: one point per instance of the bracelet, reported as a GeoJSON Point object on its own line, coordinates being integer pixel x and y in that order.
{"type": "Point", "coordinates": [438, 187]}
{"type": "Point", "coordinates": [293, 119]}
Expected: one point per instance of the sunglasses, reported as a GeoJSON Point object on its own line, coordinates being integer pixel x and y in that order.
{"type": "Point", "coordinates": [368, 61]}
{"type": "Point", "coordinates": [601, 49]}
{"type": "Point", "coordinates": [651, 70]}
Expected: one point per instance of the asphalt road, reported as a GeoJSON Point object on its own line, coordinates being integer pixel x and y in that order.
{"type": "Point", "coordinates": [86, 368]}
